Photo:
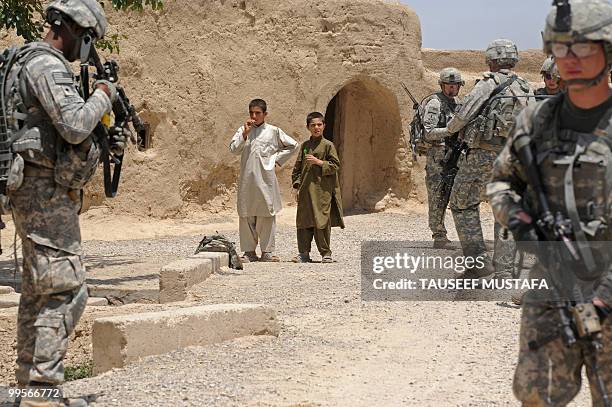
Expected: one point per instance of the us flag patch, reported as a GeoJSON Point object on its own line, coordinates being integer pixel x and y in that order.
{"type": "Point", "coordinates": [63, 78]}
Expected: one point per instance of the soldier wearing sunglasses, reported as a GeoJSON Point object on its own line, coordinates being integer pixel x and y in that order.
{"type": "Point", "coordinates": [551, 187]}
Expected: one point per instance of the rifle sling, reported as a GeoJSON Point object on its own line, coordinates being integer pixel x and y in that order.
{"type": "Point", "coordinates": [603, 129]}
{"type": "Point", "coordinates": [572, 210]}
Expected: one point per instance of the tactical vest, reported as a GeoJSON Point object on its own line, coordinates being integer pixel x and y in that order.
{"type": "Point", "coordinates": [29, 142]}
{"type": "Point", "coordinates": [31, 130]}
{"type": "Point", "coordinates": [494, 124]}
{"type": "Point", "coordinates": [447, 109]}
{"type": "Point", "coordinates": [576, 173]}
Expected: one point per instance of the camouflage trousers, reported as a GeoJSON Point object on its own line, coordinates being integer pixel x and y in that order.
{"type": "Point", "coordinates": [475, 169]}
{"type": "Point", "coordinates": [54, 293]}
{"type": "Point", "coordinates": [504, 252]}
{"type": "Point", "coordinates": [468, 192]}
{"type": "Point", "coordinates": [552, 374]}
{"type": "Point", "coordinates": [433, 179]}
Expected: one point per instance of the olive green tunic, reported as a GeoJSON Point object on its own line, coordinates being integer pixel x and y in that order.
{"type": "Point", "coordinates": [319, 199]}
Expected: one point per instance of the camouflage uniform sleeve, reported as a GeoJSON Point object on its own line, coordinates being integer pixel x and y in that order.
{"type": "Point", "coordinates": [508, 183]}
{"type": "Point", "coordinates": [604, 290]}
{"type": "Point", "coordinates": [52, 84]}
{"type": "Point", "coordinates": [431, 118]}
{"type": "Point", "coordinates": [472, 102]}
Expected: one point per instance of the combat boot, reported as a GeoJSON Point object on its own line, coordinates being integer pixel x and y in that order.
{"type": "Point", "coordinates": [442, 243]}
{"type": "Point", "coordinates": [480, 272]}
{"type": "Point", "coordinates": [502, 275]}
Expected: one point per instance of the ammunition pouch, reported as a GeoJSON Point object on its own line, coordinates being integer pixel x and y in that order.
{"type": "Point", "coordinates": [473, 132]}
{"type": "Point", "coordinates": [586, 320]}
{"type": "Point", "coordinates": [72, 172]}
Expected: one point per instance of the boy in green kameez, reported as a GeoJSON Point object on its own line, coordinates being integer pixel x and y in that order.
{"type": "Point", "coordinates": [315, 179]}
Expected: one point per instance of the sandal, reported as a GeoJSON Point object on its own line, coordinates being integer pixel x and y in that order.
{"type": "Point", "coordinates": [249, 257]}
{"type": "Point", "coordinates": [302, 258]}
{"type": "Point", "coordinates": [269, 258]}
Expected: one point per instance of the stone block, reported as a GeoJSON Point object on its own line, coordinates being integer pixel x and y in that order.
{"type": "Point", "coordinates": [219, 259]}
{"type": "Point", "coordinates": [175, 279]}
{"type": "Point", "coordinates": [120, 340]}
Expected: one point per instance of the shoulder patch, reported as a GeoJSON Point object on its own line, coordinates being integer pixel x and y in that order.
{"type": "Point", "coordinates": [63, 78]}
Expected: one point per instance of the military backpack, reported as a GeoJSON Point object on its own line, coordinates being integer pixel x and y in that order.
{"type": "Point", "coordinates": [495, 119]}
{"type": "Point", "coordinates": [220, 243]}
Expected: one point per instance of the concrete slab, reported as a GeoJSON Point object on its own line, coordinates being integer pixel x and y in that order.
{"type": "Point", "coordinates": [175, 279]}
{"type": "Point", "coordinates": [219, 259]}
{"type": "Point", "coordinates": [97, 302]}
{"type": "Point", "coordinates": [5, 289]}
{"type": "Point", "coordinates": [118, 341]}
{"type": "Point", "coordinates": [12, 300]}
{"type": "Point", "coordinates": [9, 300]}
{"type": "Point", "coordinates": [119, 295]}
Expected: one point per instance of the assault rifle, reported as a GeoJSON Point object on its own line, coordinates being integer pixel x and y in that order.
{"type": "Point", "coordinates": [416, 126]}
{"type": "Point", "coordinates": [578, 319]}
{"type": "Point", "coordinates": [123, 112]}
{"type": "Point", "coordinates": [454, 147]}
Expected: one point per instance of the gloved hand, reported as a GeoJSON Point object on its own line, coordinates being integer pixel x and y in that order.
{"type": "Point", "coordinates": [108, 88]}
{"type": "Point", "coordinates": [523, 230]}
{"type": "Point", "coordinates": [522, 227]}
{"type": "Point", "coordinates": [118, 140]}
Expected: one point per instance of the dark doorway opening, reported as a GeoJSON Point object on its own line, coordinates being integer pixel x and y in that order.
{"type": "Point", "coordinates": [364, 123]}
{"type": "Point", "coordinates": [330, 119]}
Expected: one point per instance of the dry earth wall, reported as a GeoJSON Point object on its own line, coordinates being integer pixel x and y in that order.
{"type": "Point", "coordinates": [192, 68]}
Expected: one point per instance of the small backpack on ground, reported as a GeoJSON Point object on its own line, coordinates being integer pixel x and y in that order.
{"type": "Point", "coordinates": [221, 244]}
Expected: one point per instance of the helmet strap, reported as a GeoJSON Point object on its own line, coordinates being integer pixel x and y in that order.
{"type": "Point", "coordinates": [589, 83]}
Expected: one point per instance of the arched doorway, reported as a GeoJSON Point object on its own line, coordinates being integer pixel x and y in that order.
{"type": "Point", "coordinates": [363, 121]}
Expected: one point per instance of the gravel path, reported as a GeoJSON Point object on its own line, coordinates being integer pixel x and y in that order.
{"type": "Point", "coordinates": [334, 349]}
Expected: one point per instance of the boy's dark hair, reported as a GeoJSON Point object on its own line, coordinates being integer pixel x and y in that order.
{"type": "Point", "coordinates": [260, 103]}
{"type": "Point", "coordinates": [314, 115]}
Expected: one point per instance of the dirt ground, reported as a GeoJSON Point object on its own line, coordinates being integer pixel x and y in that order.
{"type": "Point", "coordinates": [333, 350]}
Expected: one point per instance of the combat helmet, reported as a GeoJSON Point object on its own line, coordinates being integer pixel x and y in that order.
{"type": "Point", "coordinates": [503, 52]}
{"type": "Point", "coordinates": [550, 67]}
{"type": "Point", "coordinates": [452, 76]}
{"type": "Point", "coordinates": [572, 21]}
{"type": "Point", "coordinates": [85, 13]}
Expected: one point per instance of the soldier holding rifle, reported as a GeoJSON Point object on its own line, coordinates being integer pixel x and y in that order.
{"type": "Point", "coordinates": [551, 187]}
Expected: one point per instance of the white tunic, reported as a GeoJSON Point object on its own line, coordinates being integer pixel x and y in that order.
{"type": "Point", "coordinates": [258, 189]}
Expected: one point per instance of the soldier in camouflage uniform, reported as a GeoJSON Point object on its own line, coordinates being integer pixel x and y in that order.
{"type": "Point", "coordinates": [56, 146]}
{"type": "Point", "coordinates": [571, 137]}
{"type": "Point", "coordinates": [437, 110]}
{"type": "Point", "coordinates": [485, 123]}
{"type": "Point", "coordinates": [550, 75]}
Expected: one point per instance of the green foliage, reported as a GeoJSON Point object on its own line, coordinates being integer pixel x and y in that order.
{"type": "Point", "coordinates": [110, 42]}
{"type": "Point", "coordinates": [78, 372]}
{"type": "Point", "coordinates": [26, 17]}
{"type": "Point", "coordinates": [22, 16]}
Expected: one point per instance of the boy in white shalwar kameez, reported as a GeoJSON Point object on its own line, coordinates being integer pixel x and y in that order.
{"type": "Point", "coordinates": [262, 147]}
